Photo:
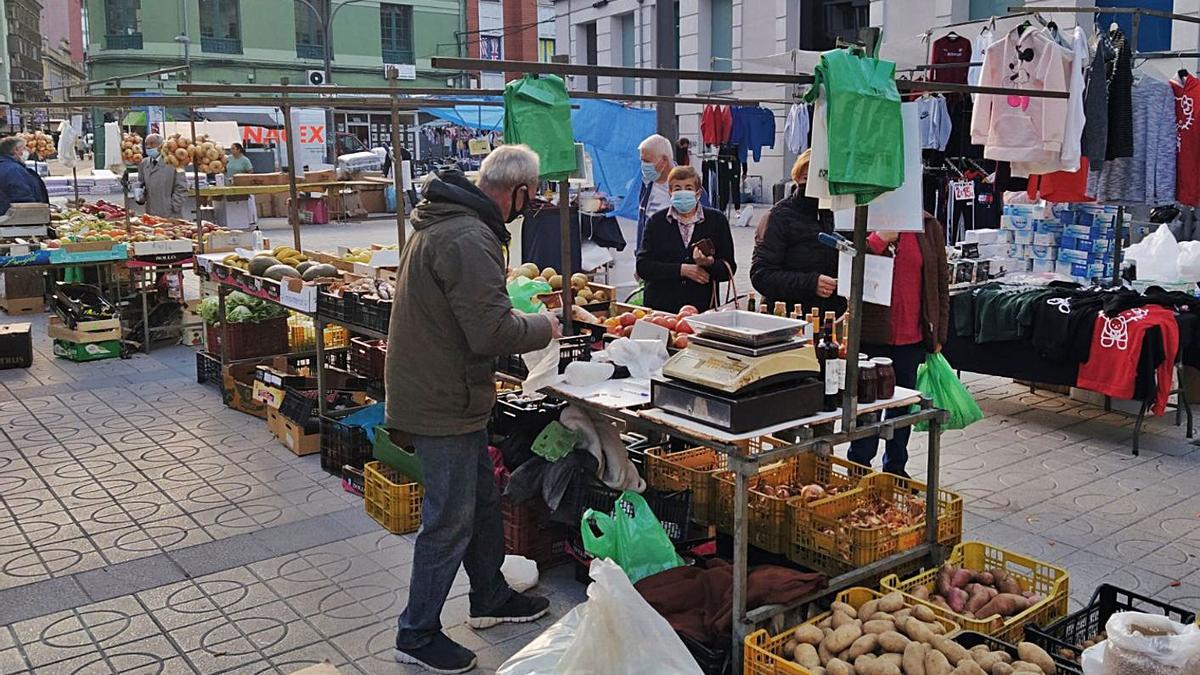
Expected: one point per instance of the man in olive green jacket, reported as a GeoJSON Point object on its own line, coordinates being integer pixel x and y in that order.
{"type": "Point", "coordinates": [450, 318]}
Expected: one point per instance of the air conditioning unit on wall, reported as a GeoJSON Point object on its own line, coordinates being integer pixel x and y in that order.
{"type": "Point", "coordinates": [314, 77]}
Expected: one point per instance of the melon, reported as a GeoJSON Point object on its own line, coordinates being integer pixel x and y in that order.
{"type": "Point", "coordinates": [301, 267]}
{"type": "Point", "coordinates": [318, 271]}
{"type": "Point", "coordinates": [278, 272]}
{"type": "Point", "coordinates": [261, 263]}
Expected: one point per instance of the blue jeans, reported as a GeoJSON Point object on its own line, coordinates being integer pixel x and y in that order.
{"type": "Point", "coordinates": [905, 359]}
{"type": "Point", "coordinates": [461, 523]}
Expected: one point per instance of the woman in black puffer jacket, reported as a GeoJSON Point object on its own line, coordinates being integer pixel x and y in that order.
{"type": "Point", "coordinates": [789, 264]}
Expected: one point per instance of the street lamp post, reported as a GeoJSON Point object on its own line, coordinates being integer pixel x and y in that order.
{"type": "Point", "coordinates": [325, 16]}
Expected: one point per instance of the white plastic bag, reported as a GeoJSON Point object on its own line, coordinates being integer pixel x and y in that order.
{"type": "Point", "coordinates": [1150, 644]}
{"type": "Point", "coordinates": [643, 358]}
{"type": "Point", "coordinates": [585, 373]}
{"type": "Point", "coordinates": [520, 572]}
{"type": "Point", "coordinates": [616, 632]}
{"type": "Point", "coordinates": [542, 365]}
{"type": "Point", "coordinates": [1157, 256]}
{"type": "Point", "coordinates": [1092, 659]}
{"type": "Point", "coordinates": [1189, 260]}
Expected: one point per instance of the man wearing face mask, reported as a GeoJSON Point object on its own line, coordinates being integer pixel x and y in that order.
{"type": "Point", "coordinates": [18, 184]}
{"type": "Point", "coordinates": [451, 317]}
{"type": "Point", "coordinates": [161, 187]}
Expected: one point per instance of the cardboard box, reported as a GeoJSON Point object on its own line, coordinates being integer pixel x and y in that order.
{"type": "Point", "coordinates": [372, 199]}
{"type": "Point", "coordinates": [16, 346]}
{"type": "Point", "coordinates": [277, 178]}
{"type": "Point", "coordinates": [91, 351]}
{"type": "Point", "coordinates": [279, 204]}
{"type": "Point", "coordinates": [22, 305]}
{"type": "Point", "coordinates": [238, 388]}
{"type": "Point", "coordinates": [58, 330]}
{"type": "Point", "coordinates": [22, 284]}
{"type": "Point", "coordinates": [326, 176]}
{"type": "Point", "coordinates": [292, 434]}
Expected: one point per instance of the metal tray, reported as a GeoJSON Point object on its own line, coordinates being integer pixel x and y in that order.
{"type": "Point", "coordinates": [746, 328]}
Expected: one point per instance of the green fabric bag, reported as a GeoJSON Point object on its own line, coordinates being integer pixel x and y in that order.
{"type": "Point", "coordinates": [632, 537]}
{"type": "Point", "coordinates": [936, 379]}
{"type": "Point", "coordinates": [866, 131]}
{"type": "Point", "coordinates": [537, 112]}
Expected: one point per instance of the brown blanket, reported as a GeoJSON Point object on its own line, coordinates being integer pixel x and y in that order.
{"type": "Point", "coordinates": [698, 602]}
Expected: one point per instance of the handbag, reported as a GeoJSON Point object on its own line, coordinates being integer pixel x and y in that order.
{"type": "Point", "coordinates": [731, 294]}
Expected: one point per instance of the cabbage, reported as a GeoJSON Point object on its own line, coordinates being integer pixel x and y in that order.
{"type": "Point", "coordinates": [240, 308]}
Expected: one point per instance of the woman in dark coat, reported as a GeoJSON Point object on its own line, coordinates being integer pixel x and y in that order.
{"type": "Point", "coordinates": [789, 264]}
{"type": "Point", "coordinates": [676, 271]}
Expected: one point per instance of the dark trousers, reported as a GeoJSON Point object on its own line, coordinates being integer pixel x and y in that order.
{"type": "Point", "coordinates": [461, 523]}
{"type": "Point", "coordinates": [905, 359]}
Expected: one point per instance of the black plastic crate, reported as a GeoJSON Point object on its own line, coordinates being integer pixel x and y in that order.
{"type": "Point", "coordinates": [712, 660]}
{"type": "Point", "coordinates": [969, 639]}
{"type": "Point", "coordinates": [1070, 632]}
{"type": "Point", "coordinates": [374, 314]}
{"type": "Point", "coordinates": [573, 348]}
{"type": "Point", "coordinates": [342, 308]}
{"type": "Point", "coordinates": [512, 412]}
{"type": "Point", "coordinates": [208, 369]}
{"type": "Point", "coordinates": [343, 445]}
{"type": "Point", "coordinates": [673, 509]}
{"type": "Point", "coordinates": [336, 357]}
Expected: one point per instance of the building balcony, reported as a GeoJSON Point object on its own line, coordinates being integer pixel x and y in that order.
{"type": "Point", "coordinates": [310, 51]}
{"type": "Point", "coordinates": [398, 56]}
{"type": "Point", "coordinates": [124, 41]}
{"type": "Point", "coordinates": [215, 45]}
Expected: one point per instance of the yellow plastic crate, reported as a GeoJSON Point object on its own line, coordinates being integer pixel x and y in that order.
{"type": "Point", "coordinates": [1051, 582]}
{"type": "Point", "coordinates": [847, 548]}
{"type": "Point", "coordinates": [771, 519]}
{"type": "Point", "coordinates": [764, 652]}
{"type": "Point", "coordinates": [391, 498]}
{"type": "Point", "coordinates": [687, 470]}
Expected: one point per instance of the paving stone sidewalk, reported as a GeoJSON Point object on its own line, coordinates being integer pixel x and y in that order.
{"type": "Point", "coordinates": [145, 528]}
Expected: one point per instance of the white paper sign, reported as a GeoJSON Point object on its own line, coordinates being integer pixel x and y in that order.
{"type": "Point", "coordinates": [901, 209]}
{"type": "Point", "coordinates": [877, 278]}
{"type": "Point", "coordinates": [964, 190]}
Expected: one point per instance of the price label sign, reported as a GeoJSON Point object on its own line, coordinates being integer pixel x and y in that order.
{"type": "Point", "coordinates": [964, 190]}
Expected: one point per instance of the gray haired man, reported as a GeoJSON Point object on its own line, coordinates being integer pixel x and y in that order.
{"type": "Point", "coordinates": [450, 318]}
{"type": "Point", "coordinates": [163, 187]}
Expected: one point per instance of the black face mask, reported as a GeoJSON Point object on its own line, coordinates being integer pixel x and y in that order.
{"type": "Point", "coordinates": [513, 210]}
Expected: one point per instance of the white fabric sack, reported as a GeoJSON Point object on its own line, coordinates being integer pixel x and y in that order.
{"type": "Point", "coordinates": [1149, 644]}
{"type": "Point", "coordinates": [520, 572]}
{"type": "Point", "coordinates": [616, 632]}
{"type": "Point", "coordinates": [67, 135]}
{"type": "Point", "coordinates": [1157, 256]}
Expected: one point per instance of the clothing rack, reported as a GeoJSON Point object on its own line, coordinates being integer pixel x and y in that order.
{"type": "Point", "coordinates": [1136, 18]}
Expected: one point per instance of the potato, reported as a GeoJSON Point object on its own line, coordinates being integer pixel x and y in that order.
{"type": "Point", "coordinates": [868, 608]}
{"type": "Point", "coordinates": [955, 653]}
{"type": "Point", "coordinates": [936, 663]}
{"type": "Point", "coordinates": [1005, 604]}
{"type": "Point", "coordinates": [790, 646]}
{"type": "Point", "coordinates": [903, 614]}
{"type": "Point", "coordinates": [1025, 667]}
{"type": "Point", "coordinates": [863, 645]}
{"type": "Point", "coordinates": [845, 609]}
{"type": "Point", "coordinates": [968, 667]}
{"type": "Point", "coordinates": [827, 622]}
{"type": "Point", "coordinates": [839, 667]}
{"type": "Point", "coordinates": [1002, 668]}
{"type": "Point", "coordinates": [892, 602]}
{"type": "Point", "coordinates": [840, 619]}
{"type": "Point", "coordinates": [824, 653]}
{"type": "Point", "coordinates": [818, 670]}
{"type": "Point", "coordinates": [808, 634]}
{"type": "Point", "coordinates": [870, 665]}
{"type": "Point", "coordinates": [896, 660]}
{"type": "Point", "coordinates": [924, 613]}
{"type": "Point", "coordinates": [806, 655]}
{"type": "Point", "coordinates": [843, 637]}
{"type": "Point", "coordinates": [891, 641]}
{"type": "Point", "coordinates": [1034, 654]}
{"type": "Point", "coordinates": [881, 626]}
{"type": "Point", "coordinates": [913, 661]}
{"type": "Point", "coordinates": [984, 658]}
{"type": "Point", "coordinates": [918, 630]}
{"type": "Point", "coordinates": [881, 616]}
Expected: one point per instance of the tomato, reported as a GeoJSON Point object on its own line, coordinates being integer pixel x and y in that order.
{"type": "Point", "coordinates": [627, 319]}
{"type": "Point", "coordinates": [688, 310]}
{"type": "Point", "coordinates": [613, 329]}
{"type": "Point", "coordinates": [639, 313]}
{"type": "Point", "coordinates": [612, 322]}
{"type": "Point", "coordinates": [680, 342]}
{"type": "Point", "coordinates": [670, 322]}
{"type": "Point", "coordinates": [684, 327]}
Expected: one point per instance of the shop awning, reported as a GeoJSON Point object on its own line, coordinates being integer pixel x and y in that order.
{"type": "Point", "coordinates": [484, 118]}
{"type": "Point", "coordinates": [246, 119]}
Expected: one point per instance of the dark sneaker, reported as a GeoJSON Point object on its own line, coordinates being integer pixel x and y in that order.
{"type": "Point", "coordinates": [441, 655]}
{"type": "Point", "coordinates": [520, 608]}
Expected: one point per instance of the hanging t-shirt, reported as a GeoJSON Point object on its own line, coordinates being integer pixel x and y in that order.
{"type": "Point", "coordinates": [817, 185]}
{"type": "Point", "coordinates": [1112, 366]}
{"type": "Point", "coordinates": [950, 48]}
{"type": "Point", "coordinates": [934, 119]}
{"type": "Point", "coordinates": [1147, 177]}
{"type": "Point", "coordinates": [864, 124]}
{"type": "Point", "coordinates": [1187, 139]}
{"type": "Point", "coordinates": [981, 43]}
{"type": "Point", "coordinates": [537, 112]}
{"type": "Point", "coordinates": [795, 128]}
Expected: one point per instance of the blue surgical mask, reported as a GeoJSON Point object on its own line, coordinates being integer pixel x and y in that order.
{"type": "Point", "coordinates": [683, 201]}
{"type": "Point", "coordinates": [649, 172]}
{"type": "Point", "coordinates": [152, 152]}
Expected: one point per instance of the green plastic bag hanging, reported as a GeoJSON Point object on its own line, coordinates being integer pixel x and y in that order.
{"type": "Point", "coordinates": [936, 379]}
{"type": "Point", "coordinates": [632, 538]}
{"type": "Point", "coordinates": [523, 293]}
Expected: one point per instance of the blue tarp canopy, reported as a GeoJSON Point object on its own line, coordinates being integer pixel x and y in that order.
{"type": "Point", "coordinates": [609, 131]}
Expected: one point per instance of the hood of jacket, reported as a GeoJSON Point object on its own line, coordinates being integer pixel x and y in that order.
{"type": "Point", "coordinates": [449, 194]}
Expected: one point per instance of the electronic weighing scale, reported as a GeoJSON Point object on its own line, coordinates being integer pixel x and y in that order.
{"type": "Point", "coordinates": [741, 371]}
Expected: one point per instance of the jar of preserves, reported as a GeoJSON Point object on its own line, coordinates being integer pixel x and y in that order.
{"type": "Point", "coordinates": [885, 378]}
{"type": "Point", "coordinates": [868, 381]}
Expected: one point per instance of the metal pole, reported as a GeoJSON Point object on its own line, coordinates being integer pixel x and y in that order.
{"type": "Point", "coordinates": [741, 497]}
{"type": "Point", "coordinates": [854, 327]}
{"type": "Point", "coordinates": [933, 467]}
{"type": "Point", "coordinates": [397, 165]}
{"type": "Point", "coordinates": [1117, 234]}
{"type": "Point", "coordinates": [665, 46]}
{"type": "Point", "coordinates": [1136, 19]}
{"type": "Point", "coordinates": [75, 182]}
{"type": "Point", "coordinates": [196, 174]}
{"type": "Point", "coordinates": [327, 11]}
{"type": "Point", "coordinates": [319, 328]}
{"type": "Point", "coordinates": [564, 222]}
{"type": "Point", "coordinates": [290, 137]}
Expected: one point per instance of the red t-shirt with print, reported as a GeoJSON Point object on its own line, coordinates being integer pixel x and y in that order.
{"type": "Point", "coordinates": [1187, 132]}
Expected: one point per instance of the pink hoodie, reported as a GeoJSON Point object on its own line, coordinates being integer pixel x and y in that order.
{"type": "Point", "coordinates": [1022, 128]}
